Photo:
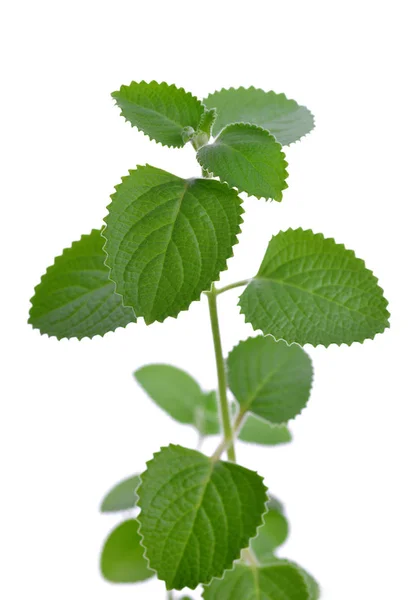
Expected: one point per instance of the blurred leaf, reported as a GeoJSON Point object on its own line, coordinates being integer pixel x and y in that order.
{"type": "Point", "coordinates": [122, 496]}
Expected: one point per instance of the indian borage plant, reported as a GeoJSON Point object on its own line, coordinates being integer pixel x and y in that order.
{"type": "Point", "coordinates": [206, 520]}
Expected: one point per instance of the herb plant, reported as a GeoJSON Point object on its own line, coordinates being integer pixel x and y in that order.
{"type": "Point", "coordinates": [206, 519]}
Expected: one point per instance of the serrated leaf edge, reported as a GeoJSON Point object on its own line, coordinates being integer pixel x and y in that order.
{"type": "Point", "coordinates": [269, 93]}
{"type": "Point", "coordinates": [143, 474]}
{"type": "Point", "coordinates": [166, 86]}
{"type": "Point", "coordinates": [197, 297]}
{"type": "Point", "coordinates": [290, 342]}
{"type": "Point", "coordinates": [274, 425]}
{"type": "Point", "coordinates": [241, 190]}
{"type": "Point", "coordinates": [74, 337]}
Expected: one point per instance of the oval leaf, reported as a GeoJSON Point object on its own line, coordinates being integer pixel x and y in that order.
{"type": "Point", "coordinates": [311, 290]}
{"type": "Point", "coordinates": [269, 378]}
{"type": "Point", "coordinates": [160, 110]}
{"type": "Point", "coordinates": [197, 515]}
{"type": "Point", "coordinates": [122, 496]}
{"type": "Point", "coordinates": [249, 158]}
{"type": "Point", "coordinates": [168, 239]}
{"type": "Point", "coordinates": [122, 559]}
{"type": "Point", "coordinates": [272, 534]}
{"type": "Point", "coordinates": [180, 396]}
{"type": "Point", "coordinates": [282, 581]}
{"type": "Point", "coordinates": [284, 118]}
{"type": "Point", "coordinates": [75, 297]}
{"type": "Point", "coordinates": [259, 431]}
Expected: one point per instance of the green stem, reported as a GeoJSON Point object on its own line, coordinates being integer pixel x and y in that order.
{"type": "Point", "coordinates": [170, 595]}
{"type": "Point", "coordinates": [222, 380]}
{"type": "Point", "coordinates": [231, 286]}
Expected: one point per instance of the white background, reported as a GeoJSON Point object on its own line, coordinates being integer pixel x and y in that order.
{"type": "Point", "coordinates": [73, 420]}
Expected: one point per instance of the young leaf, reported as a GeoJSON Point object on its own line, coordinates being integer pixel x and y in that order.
{"type": "Point", "coordinates": [197, 515]}
{"type": "Point", "coordinates": [259, 431]}
{"type": "Point", "coordinates": [122, 559]}
{"type": "Point", "coordinates": [311, 290]}
{"type": "Point", "coordinates": [180, 396]}
{"type": "Point", "coordinates": [272, 534]}
{"type": "Point", "coordinates": [160, 110]}
{"type": "Point", "coordinates": [122, 496]}
{"type": "Point", "coordinates": [168, 239]}
{"type": "Point", "coordinates": [269, 378]}
{"type": "Point", "coordinates": [284, 118]}
{"type": "Point", "coordinates": [75, 297]}
{"type": "Point", "coordinates": [249, 158]}
{"type": "Point", "coordinates": [282, 581]}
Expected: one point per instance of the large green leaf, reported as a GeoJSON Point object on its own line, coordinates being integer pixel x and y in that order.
{"type": "Point", "coordinates": [163, 112]}
{"type": "Point", "coordinates": [272, 534]}
{"type": "Point", "coordinates": [122, 557]}
{"type": "Point", "coordinates": [282, 581]}
{"type": "Point", "coordinates": [168, 239]}
{"type": "Point", "coordinates": [122, 496]}
{"type": "Point", "coordinates": [180, 396]}
{"type": "Point", "coordinates": [249, 158]}
{"type": "Point", "coordinates": [284, 118]}
{"type": "Point", "coordinates": [269, 378]}
{"type": "Point", "coordinates": [197, 515]}
{"type": "Point", "coordinates": [311, 290]}
{"type": "Point", "coordinates": [259, 431]}
{"type": "Point", "coordinates": [75, 297]}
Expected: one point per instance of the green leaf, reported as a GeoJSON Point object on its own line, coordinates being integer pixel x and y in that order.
{"type": "Point", "coordinates": [282, 581]}
{"type": "Point", "coordinates": [160, 110]}
{"type": "Point", "coordinates": [259, 431]}
{"type": "Point", "coordinates": [122, 557]}
{"type": "Point", "coordinates": [284, 118]}
{"type": "Point", "coordinates": [311, 290]}
{"type": "Point", "coordinates": [180, 396]}
{"type": "Point", "coordinates": [272, 534]}
{"type": "Point", "coordinates": [207, 121]}
{"type": "Point", "coordinates": [168, 239]}
{"type": "Point", "coordinates": [197, 515]}
{"type": "Point", "coordinates": [249, 158]}
{"type": "Point", "coordinates": [75, 297]}
{"type": "Point", "coordinates": [269, 378]}
{"type": "Point", "coordinates": [122, 496]}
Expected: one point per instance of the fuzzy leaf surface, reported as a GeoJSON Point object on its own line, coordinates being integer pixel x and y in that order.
{"type": "Point", "coordinates": [284, 118]}
{"type": "Point", "coordinates": [160, 110]}
{"type": "Point", "coordinates": [168, 239]}
{"type": "Point", "coordinates": [311, 290]}
{"type": "Point", "coordinates": [122, 559]}
{"type": "Point", "coordinates": [272, 534]}
{"type": "Point", "coordinates": [197, 515]}
{"type": "Point", "coordinates": [249, 158]}
{"type": "Point", "coordinates": [269, 378]}
{"type": "Point", "coordinates": [178, 394]}
{"type": "Point", "coordinates": [259, 431]}
{"type": "Point", "coordinates": [75, 297]}
{"type": "Point", "coordinates": [283, 581]}
{"type": "Point", "coordinates": [122, 496]}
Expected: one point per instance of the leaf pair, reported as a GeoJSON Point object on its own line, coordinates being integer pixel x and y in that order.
{"type": "Point", "coordinates": [250, 124]}
{"type": "Point", "coordinates": [181, 397]}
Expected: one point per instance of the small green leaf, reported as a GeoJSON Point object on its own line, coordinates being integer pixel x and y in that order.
{"type": "Point", "coordinates": [122, 557]}
{"type": "Point", "coordinates": [197, 515]}
{"type": "Point", "coordinates": [207, 121]}
{"type": "Point", "coordinates": [284, 118]}
{"type": "Point", "coordinates": [122, 496]}
{"type": "Point", "coordinates": [282, 581]}
{"type": "Point", "coordinates": [272, 534]}
{"type": "Point", "coordinates": [168, 239]}
{"type": "Point", "coordinates": [160, 110]}
{"type": "Point", "coordinates": [249, 158]}
{"type": "Point", "coordinates": [311, 290]}
{"type": "Point", "coordinates": [269, 378]}
{"type": "Point", "coordinates": [180, 396]}
{"type": "Point", "coordinates": [259, 431]}
{"type": "Point", "coordinates": [75, 297]}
